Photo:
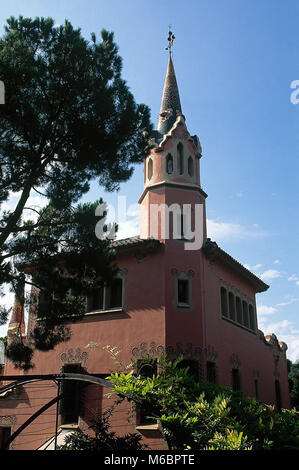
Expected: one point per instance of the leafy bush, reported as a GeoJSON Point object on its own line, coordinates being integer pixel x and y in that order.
{"type": "Point", "coordinates": [202, 416]}
{"type": "Point", "coordinates": [103, 439]}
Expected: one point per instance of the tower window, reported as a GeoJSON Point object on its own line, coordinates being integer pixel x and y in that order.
{"type": "Point", "coordinates": [183, 291]}
{"type": "Point", "coordinates": [190, 166]}
{"type": "Point", "coordinates": [169, 164]}
{"type": "Point", "coordinates": [224, 309]}
{"type": "Point", "coordinates": [150, 169]}
{"type": "Point", "coordinates": [180, 158]}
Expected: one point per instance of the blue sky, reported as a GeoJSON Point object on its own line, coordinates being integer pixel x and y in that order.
{"type": "Point", "coordinates": [234, 61]}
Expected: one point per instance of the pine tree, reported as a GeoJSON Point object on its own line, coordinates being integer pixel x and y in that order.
{"type": "Point", "coordinates": [68, 118]}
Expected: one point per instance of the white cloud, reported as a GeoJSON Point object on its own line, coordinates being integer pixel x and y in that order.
{"type": "Point", "coordinates": [287, 302]}
{"type": "Point", "coordinates": [276, 261]}
{"type": "Point", "coordinates": [35, 201]}
{"type": "Point", "coordinates": [129, 227]}
{"type": "Point", "coordinates": [284, 330]}
{"type": "Point", "coordinates": [221, 231]}
{"type": "Point", "coordinates": [293, 277]}
{"type": "Point", "coordinates": [253, 268]}
{"type": "Point", "coordinates": [270, 274]}
{"type": "Point", "coordinates": [266, 310]}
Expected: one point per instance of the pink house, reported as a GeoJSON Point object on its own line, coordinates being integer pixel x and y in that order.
{"type": "Point", "coordinates": [173, 294]}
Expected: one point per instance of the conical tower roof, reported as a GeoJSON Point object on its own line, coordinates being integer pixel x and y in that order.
{"type": "Point", "coordinates": [170, 103]}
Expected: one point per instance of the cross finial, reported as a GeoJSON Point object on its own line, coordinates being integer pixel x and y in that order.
{"type": "Point", "coordinates": [171, 38]}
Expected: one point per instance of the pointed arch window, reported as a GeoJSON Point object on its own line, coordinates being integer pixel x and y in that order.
{"type": "Point", "coordinates": [180, 154]}
{"type": "Point", "coordinates": [190, 166]}
{"type": "Point", "coordinates": [169, 164]}
{"type": "Point", "coordinates": [150, 169]}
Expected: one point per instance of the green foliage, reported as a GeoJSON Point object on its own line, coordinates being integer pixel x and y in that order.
{"type": "Point", "coordinates": [231, 440]}
{"type": "Point", "coordinates": [103, 439]}
{"type": "Point", "coordinates": [63, 278]}
{"type": "Point", "coordinates": [294, 383]}
{"type": "Point", "coordinates": [20, 354]}
{"type": "Point", "coordinates": [202, 416]}
{"type": "Point", "coordinates": [4, 340]}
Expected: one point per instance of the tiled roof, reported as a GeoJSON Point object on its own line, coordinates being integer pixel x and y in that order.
{"type": "Point", "coordinates": [133, 242]}
{"type": "Point", "coordinates": [214, 252]}
{"type": "Point", "coordinates": [170, 104]}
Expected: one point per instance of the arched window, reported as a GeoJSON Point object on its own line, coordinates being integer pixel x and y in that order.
{"type": "Point", "coordinates": [239, 310]}
{"type": "Point", "coordinates": [190, 166]}
{"type": "Point", "coordinates": [251, 318]}
{"type": "Point", "coordinates": [232, 309]}
{"type": "Point", "coordinates": [245, 314]}
{"type": "Point", "coordinates": [278, 395]}
{"type": "Point", "coordinates": [150, 169]}
{"type": "Point", "coordinates": [180, 158]}
{"type": "Point", "coordinates": [224, 309]}
{"type": "Point", "coordinates": [236, 380]}
{"type": "Point", "coordinates": [169, 164]}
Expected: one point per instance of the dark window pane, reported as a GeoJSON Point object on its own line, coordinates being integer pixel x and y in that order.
{"type": "Point", "coordinates": [70, 403]}
{"type": "Point", "coordinates": [245, 314]}
{"type": "Point", "coordinates": [232, 309]}
{"type": "Point", "coordinates": [190, 166]}
{"type": "Point", "coordinates": [224, 309]}
{"type": "Point", "coordinates": [211, 371]}
{"type": "Point", "coordinates": [183, 291]}
{"type": "Point", "coordinates": [5, 433]}
{"type": "Point", "coordinates": [180, 158]}
{"type": "Point", "coordinates": [256, 388]}
{"type": "Point", "coordinates": [150, 168]}
{"type": "Point", "coordinates": [239, 310]}
{"type": "Point", "coordinates": [116, 293]}
{"type": "Point", "coordinates": [98, 299]}
{"type": "Point", "coordinates": [251, 318]}
{"type": "Point", "coordinates": [192, 367]}
{"type": "Point", "coordinates": [146, 368]}
{"type": "Point", "coordinates": [236, 379]}
{"type": "Point", "coordinates": [169, 164]}
{"type": "Point", "coordinates": [278, 395]}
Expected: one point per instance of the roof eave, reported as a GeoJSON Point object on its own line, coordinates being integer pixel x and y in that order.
{"type": "Point", "coordinates": [212, 251]}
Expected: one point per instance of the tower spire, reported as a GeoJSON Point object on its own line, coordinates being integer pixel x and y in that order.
{"type": "Point", "coordinates": [170, 103]}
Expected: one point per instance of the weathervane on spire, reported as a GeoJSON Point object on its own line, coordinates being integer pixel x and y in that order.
{"type": "Point", "coordinates": [171, 38]}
